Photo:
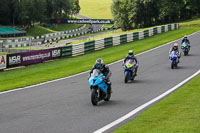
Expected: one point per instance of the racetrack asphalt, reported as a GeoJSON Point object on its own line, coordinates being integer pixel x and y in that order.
{"type": "Point", "coordinates": [64, 106]}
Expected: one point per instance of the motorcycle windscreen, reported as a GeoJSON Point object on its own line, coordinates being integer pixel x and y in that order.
{"type": "Point", "coordinates": [95, 73]}
{"type": "Point", "coordinates": [94, 76]}
{"type": "Point", "coordinates": [184, 44]}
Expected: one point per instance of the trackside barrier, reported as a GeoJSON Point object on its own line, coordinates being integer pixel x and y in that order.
{"type": "Point", "coordinates": [38, 56]}
{"type": "Point", "coordinates": [3, 61]}
{"type": "Point", "coordinates": [83, 48]}
{"type": "Point", "coordinates": [32, 57]}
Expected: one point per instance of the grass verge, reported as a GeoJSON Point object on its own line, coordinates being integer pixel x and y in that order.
{"type": "Point", "coordinates": [39, 30]}
{"type": "Point", "coordinates": [3, 53]}
{"type": "Point", "coordinates": [30, 48]}
{"type": "Point", "coordinates": [64, 27]}
{"type": "Point", "coordinates": [178, 113]}
{"type": "Point", "coordinates": [64, 67]}
{"type": "Point", "coordinates": [96, 9]}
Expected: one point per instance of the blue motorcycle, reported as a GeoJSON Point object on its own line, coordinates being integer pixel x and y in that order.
{"type": "Point", "coordinates": [99, 88]}
{"type": "Point", "coordinates": [129, 70]}
{"type": "Point", "coordinates": [185, 48]}
{"type": "Point", "coordinates": [174, 59]}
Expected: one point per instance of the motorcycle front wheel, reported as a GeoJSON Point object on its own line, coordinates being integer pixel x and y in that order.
{"type": "Point", "coordinates": [126, 77]}
{"type": "Point", "coordinates": [172, 65]}
{"type": "Point", "coordinates": [94, 97]}
{"type": "Point", "coordinates": [185, 52]}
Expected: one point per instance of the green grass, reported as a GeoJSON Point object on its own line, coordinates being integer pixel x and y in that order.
{"type": "Point", "coordinates": [3, 53]}
{"type": "Point", "coordinates": [64, 27]}
{"type": "Point", "coordinates": [29, 48]}
{"type": "Point", "coordinates": [107, 25]}
{"type": "Point", "coordinates": [39, 30]}
{"type": "Point", "coordinates": [178, 113]}
{"type": "Point", "coordinates": [96, 9]}
{"type": "Point", "coordinates": [64, 67]}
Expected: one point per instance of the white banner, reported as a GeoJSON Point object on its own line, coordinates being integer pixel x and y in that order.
{"type": "Point", "coordinates": [2, 61]}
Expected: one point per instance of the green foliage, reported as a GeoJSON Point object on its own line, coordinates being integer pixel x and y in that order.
{"type": "Point", "coordinates": [129, 14]}
{"type": "Point", "coordinates": [29, 12]}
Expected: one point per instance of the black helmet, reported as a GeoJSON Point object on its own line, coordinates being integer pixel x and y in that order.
{"type": "Point", "coordinates": [130, 53]}
{"type": "Point", "coordinates": [99, 63]}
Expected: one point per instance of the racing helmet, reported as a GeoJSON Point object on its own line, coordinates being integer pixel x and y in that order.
{"type": "Point", "coordinates": [175, 46]}
{"type": "Point", "coordinates": [130, 53]}
{"type": "Point", "coordinates": [99, 63]}
{"type": "Point", "coordinates": [185, 37]}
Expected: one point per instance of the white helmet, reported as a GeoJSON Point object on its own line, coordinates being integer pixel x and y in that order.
{"type": "Point", "coordinates": [185, 36]}
{"type": "Point", "coordinates": [176, 44]}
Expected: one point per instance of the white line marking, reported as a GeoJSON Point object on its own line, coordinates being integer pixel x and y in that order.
{"type": "Point", "coordinates": [88, 71]}
{"type": "Point", "coordinates": [114, 123]}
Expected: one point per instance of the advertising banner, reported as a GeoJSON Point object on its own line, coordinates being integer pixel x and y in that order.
{"type": "Point", "coordinates": [56, 53]}
{"type": "Point", "coordinates": [2, 62]}
{"type": "Point", "coordinates": [34, 57]}
{"type": "Point", "coordinates": [40, 56]}
{"type": "Point", "coordinates": [82, 21]}
{"type": "Point", "coordinates": [14, 60]}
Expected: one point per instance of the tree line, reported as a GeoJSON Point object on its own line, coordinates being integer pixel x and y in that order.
{"type": "Point", "coordinates": [29, 12]}
{"type": "Point", "coordinates": [129, 14]}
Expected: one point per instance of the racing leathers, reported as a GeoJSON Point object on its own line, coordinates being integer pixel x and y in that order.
{"type": "Point", "coordinates": [128, 57]}
{"type": "Point", "coordinates": [176, 50]}
{"type": "Point", "coordinates": [186, 41]}
{"type": "Point", "coordinates": [104, 69]}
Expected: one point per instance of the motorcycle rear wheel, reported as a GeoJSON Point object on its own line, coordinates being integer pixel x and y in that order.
{"type": "Point", "coordinates": [172, 65]}
{"type": "Point", "coordinates": [108, 95]}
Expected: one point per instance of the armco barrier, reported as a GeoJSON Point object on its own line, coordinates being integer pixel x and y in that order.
{"type": "Point", "coordinates": [155, 30]}
{"type": "Point", "coordinates": [135, 36]}
{"type": "Point", "coordinates": [146, 33]}
{"type": "Point", "coordinates": [108, 42]}
{"type": "Point", "coordinates": [82, 48]}
{"type": "Point", "coordinates": [67, 51]}
{"type": "Point", "coordinates": [89, 46]}
{"type": "Point", "coordinates": [123, 38]}
{"type": "Point", "coordinates": [162, 29]}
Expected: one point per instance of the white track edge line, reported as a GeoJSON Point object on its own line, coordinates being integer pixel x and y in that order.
{"type": "Point", "coordinates": [114, 123]}
{"type": "Point", "coordinates": [4, 92]}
